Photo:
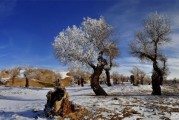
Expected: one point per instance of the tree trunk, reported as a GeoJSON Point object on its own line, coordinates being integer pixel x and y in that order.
{"type": "Point", "coordinates": [78, 81]}
{"type": "Point", "coordinates": [26, 82]}
{"type": "Point", "coordinates": [58, 103]}
{"type": "Point", "coordinates": [82, 82]}
{"type": "Point", "coordinates": [13, 79]}
{"type": "Point", "coordinates": [156, 80]}
{"type": "Point", "coordinates": [142, 80]}
{"type": "Point", "coordinates": [108, 78]}
{"type": "Point", "coordinates": [156, 84]}
{"type": "Point", "coordinates": [98, 90]}
{"type": "Point", "coordinates": [132, 79]}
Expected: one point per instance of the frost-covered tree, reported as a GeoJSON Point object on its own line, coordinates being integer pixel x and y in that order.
{"type": "Point", "coordinates": [116, 77]}
{"type": "Point", "coordinates": [78, 74]}
{"type": "Point", "coordinates": [91, 45]}
{"type": "Point", "coordinates": [138, 74]}
{"type": "Point", "coordinates": [147, 46]}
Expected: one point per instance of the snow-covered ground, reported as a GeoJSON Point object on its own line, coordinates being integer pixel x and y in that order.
{"type": "Point", "coordinates": [21, 103]}
{"type": "Point", "coordinates": [124, 101]}
{"type": "Point", "coordinates": [129, 102]}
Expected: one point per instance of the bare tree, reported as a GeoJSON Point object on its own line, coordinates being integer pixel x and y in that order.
{"type": "Point", "coordinates": [90, 45]}
{"type": "Point", "coordinates": [138, 75]}
{"type": "Point", "coordinates": [148, 43]}
{"type": "Point", "coordinates": [112, 51]}
{"type": "Point", "coordinates": [118, 78]}
{"type": "Point", "coordinates": [79, 74]}
{"type": "Point", "coordinates": [135, 71]}
{"type": "Point", "coordinates": [14, 72]}
{"type": "Point", "coordinates": [29, 74]}
{"type": "Point", "coordinates": [142, 75]}
{"type": "Point", "coordinates": [147, 79]}
{"type": "Point", "coordinates": [79, 77]}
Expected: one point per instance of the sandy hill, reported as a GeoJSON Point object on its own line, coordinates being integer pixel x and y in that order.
{"type": "Point", "coordinates": [37, 77]}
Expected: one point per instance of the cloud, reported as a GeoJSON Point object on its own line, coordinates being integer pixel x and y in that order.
{"type": "Point", "coordinates": [127, 63]}
{"type": "Point", "coordinates": [171, 49]}
{"type": "Point", "coordinates": [125, 69]}
{"type": "Point", "coordinates": [175, 21]}
{"type": "Point", "coordinates": [122, 16]}
{"type": "Point", "coordinates": [175, 41]}
{"type": "Point", "coordinates": [39, 61]}
{"type": "Point", "coordinates": [51, 66]}
{"type": "Point", "coordinates": [173, 64]}
{"type": "Point", "coordinates": [127, 17]}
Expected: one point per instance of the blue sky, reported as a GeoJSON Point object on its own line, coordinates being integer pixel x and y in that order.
{"type": "Point", "coordinates": [28, 28]}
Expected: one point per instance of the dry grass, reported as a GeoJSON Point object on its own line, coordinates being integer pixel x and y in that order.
{"type": "Point", "coordinates": [37, 83]}
{"type": "Point", "coordinates": [80, 114]}
{"type": "Point", "coordinates": [44, 75]}
{"type": "Point", "coordinates": [70, 74]}
{"type": "Point", "coordinates": [32, 83]}
{"type": "Point", "coordinates": [66, 81]}
{"type": "Point", "coordinates": [128, 111]}
{"type": "Point", "coordinates": [5, 74]}
{"type": "Point", "coordinates": [166, 108]}
{"type": "Point", "coordinates": [39, 78]}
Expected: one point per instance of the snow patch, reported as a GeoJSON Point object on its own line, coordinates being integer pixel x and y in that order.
{"type": "Point", "coordinates": [3, 80]}
{"type": "Point", "coordinates": [62, 73]}
{"type": "Point", "coordinates": [21, 74]}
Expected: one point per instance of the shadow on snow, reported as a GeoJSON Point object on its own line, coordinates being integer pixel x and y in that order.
{"type": "Point", "coordinates": [18, 98]}
{"type": "Point", "coordinates": [27, 114]}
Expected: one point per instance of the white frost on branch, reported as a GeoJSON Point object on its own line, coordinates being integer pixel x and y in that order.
{"type": "Point", "coordinates": [83, 43]}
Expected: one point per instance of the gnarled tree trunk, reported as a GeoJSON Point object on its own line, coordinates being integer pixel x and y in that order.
{"type": "Point", "coordinates": [58, 103]}
{"type": "Point", "coordinates": [156, 84]}
{"type": "Point", "coordinates": [98, 90]}
{"type": "Point", "coordinates": [157, 79]}
{"type": "Point", "coordinates": [108, 77]}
